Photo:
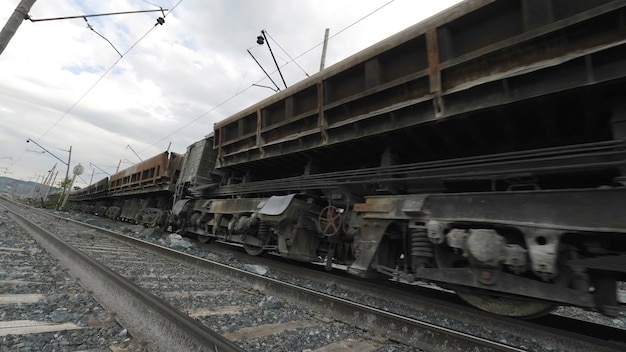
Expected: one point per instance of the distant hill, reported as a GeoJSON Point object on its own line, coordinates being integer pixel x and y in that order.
{"type": "Point", "coordinates": [18, 187]}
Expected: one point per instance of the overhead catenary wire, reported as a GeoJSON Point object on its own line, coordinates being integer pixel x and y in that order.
{"type": "Point", "coordinates": [101, 36]}
{"type": "Point", "coordinates": [244, 77]}
{"type": "Point", "coordinates": [268, 76]}
{"type": "Point", "coordinates": [133, 150]}
{"type": "Point", "coordinates": [103, 75]}
{"type": "Point", "coordinates": [122, 55]}
{"type": "Point", "coordinates": [289, 56]}
{"type": "Point", "coordinates": [344, 29]}
{"type": "Point", "coordinates": [256, 84]}
{"type": "Point", "coordinates": [148, 2]}
{"type": "Point", "coordinates": [160, 20]}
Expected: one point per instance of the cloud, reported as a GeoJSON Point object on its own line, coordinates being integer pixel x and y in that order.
{"type": "Point", "coordinates": [64, 85]}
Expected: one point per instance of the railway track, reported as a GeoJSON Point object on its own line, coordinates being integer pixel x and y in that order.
{"type": "Point", "coordinates": [428, 303]}
{"type": "Point", "coordinates": [404, 328]}
{"type": "Point", "coordinates": [157, 323]}
{"type": "Point", "coordinates": [43, 308]}
{"type": "Point", "coordinates": [207, 298]}
{"type": "Point", "coordinates": [434, 305]}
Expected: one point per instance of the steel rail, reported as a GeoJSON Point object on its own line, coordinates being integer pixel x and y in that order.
{"type": "Point", "coordinates": [144, 314]}
{"type": "Point", "coordinates": [551, 330]}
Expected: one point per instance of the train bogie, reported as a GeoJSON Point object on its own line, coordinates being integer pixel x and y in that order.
{"type": "Point", "coordinates": [282, 224]}
{"type": "Point", "coordinates": [518, 244]}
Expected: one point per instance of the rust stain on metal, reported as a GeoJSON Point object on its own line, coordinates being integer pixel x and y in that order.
{"type": "Point", "coordinates": [434, 71]}
{"type": "Point", "coordinates": [373, 207]}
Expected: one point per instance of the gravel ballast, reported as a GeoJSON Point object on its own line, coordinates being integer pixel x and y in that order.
{"type": "Point", "coordinates": [193, 290]}
{"type": "Point", "coordinates": [27, 269]}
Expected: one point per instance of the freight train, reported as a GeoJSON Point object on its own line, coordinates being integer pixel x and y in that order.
{"type": "Point", "coordinates": [140, 194]}
{"type": "Point", "coordinates": [482, 149]}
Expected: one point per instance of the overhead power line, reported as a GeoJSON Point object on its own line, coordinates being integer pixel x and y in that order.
{"type": "Point", "coordinates": [107, 71]}
{"type": "Point", "coordinates": [22, 10]}
{"type": "Point", "coordinates": [256, 84]}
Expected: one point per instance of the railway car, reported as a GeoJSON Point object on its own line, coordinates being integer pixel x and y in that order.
{"type": "Point", "coordinates": [482, 149]}
{"type": "Point", "coordinates": [91, 199]}
{"type": "Point", "coordinates": [141, 194]}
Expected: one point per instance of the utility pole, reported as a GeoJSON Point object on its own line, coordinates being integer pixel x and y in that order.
{"type": "Point", "coordinates": [21, 13]}
{"type": "Point", "coordinates": [67, 171]}
{"type": "Point", "coordinates": [66, 189]}
{"type": "Point", "coordinates": [45, 197]}
{"type": "Point", "coordinates": [323, 61]}
{"type": "Point", "coordinates": [69, 158]}
{"type": "Point", "coordinates": [78, 170]}
{"type": "Point", "coordinates": [16, 19]}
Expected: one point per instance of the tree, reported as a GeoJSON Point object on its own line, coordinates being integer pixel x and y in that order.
{"type": "Point", "coordinates": [64, 184]}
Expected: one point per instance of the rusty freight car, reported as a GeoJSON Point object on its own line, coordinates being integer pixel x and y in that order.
{"type": "Point", "coordinates": [142, 193]}
{"type": "Point", "coordinates": [482, 149]}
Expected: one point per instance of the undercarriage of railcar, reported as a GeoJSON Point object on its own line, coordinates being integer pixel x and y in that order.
{"type": "Point", "coordinates": [286, 225]}
{"type": "Point", "coordinates": [511, 248]}
{"type": "Point", "coordinates": [150, 210]}
{"type": "Point", "coordinates": [497, 254]}
{"type": "Point", "coordinates": [518, 253]}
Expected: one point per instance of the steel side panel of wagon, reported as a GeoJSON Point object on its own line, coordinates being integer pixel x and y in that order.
{"type": "Point", "coordinates": [149, 175]}
{"type": "Point", "coordinates": [474, 56]}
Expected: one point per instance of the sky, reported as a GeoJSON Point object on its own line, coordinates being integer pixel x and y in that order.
{"type": "Point", "coordinates": [145, 87]}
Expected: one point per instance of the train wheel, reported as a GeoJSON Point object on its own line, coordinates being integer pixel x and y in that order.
{"type": "Point", "coordinates": [507, 306]}
{"type": "Point", "coordinates": [253, 250]}
{"type": "Point", "coordinates": [263, 235]}
{"type": "Point", "coordinates": [165, 220]}
{"type": "Point", "coordinates": [204, 239]}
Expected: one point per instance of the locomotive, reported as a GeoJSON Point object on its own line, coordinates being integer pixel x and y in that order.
{"type": "Point", "coordinates": [482, 149]}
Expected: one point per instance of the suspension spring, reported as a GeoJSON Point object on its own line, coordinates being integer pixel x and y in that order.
{"type": "Point", "coordinates": [264, 230]}
{"type": "Point", "coordinates": [421, 248]}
